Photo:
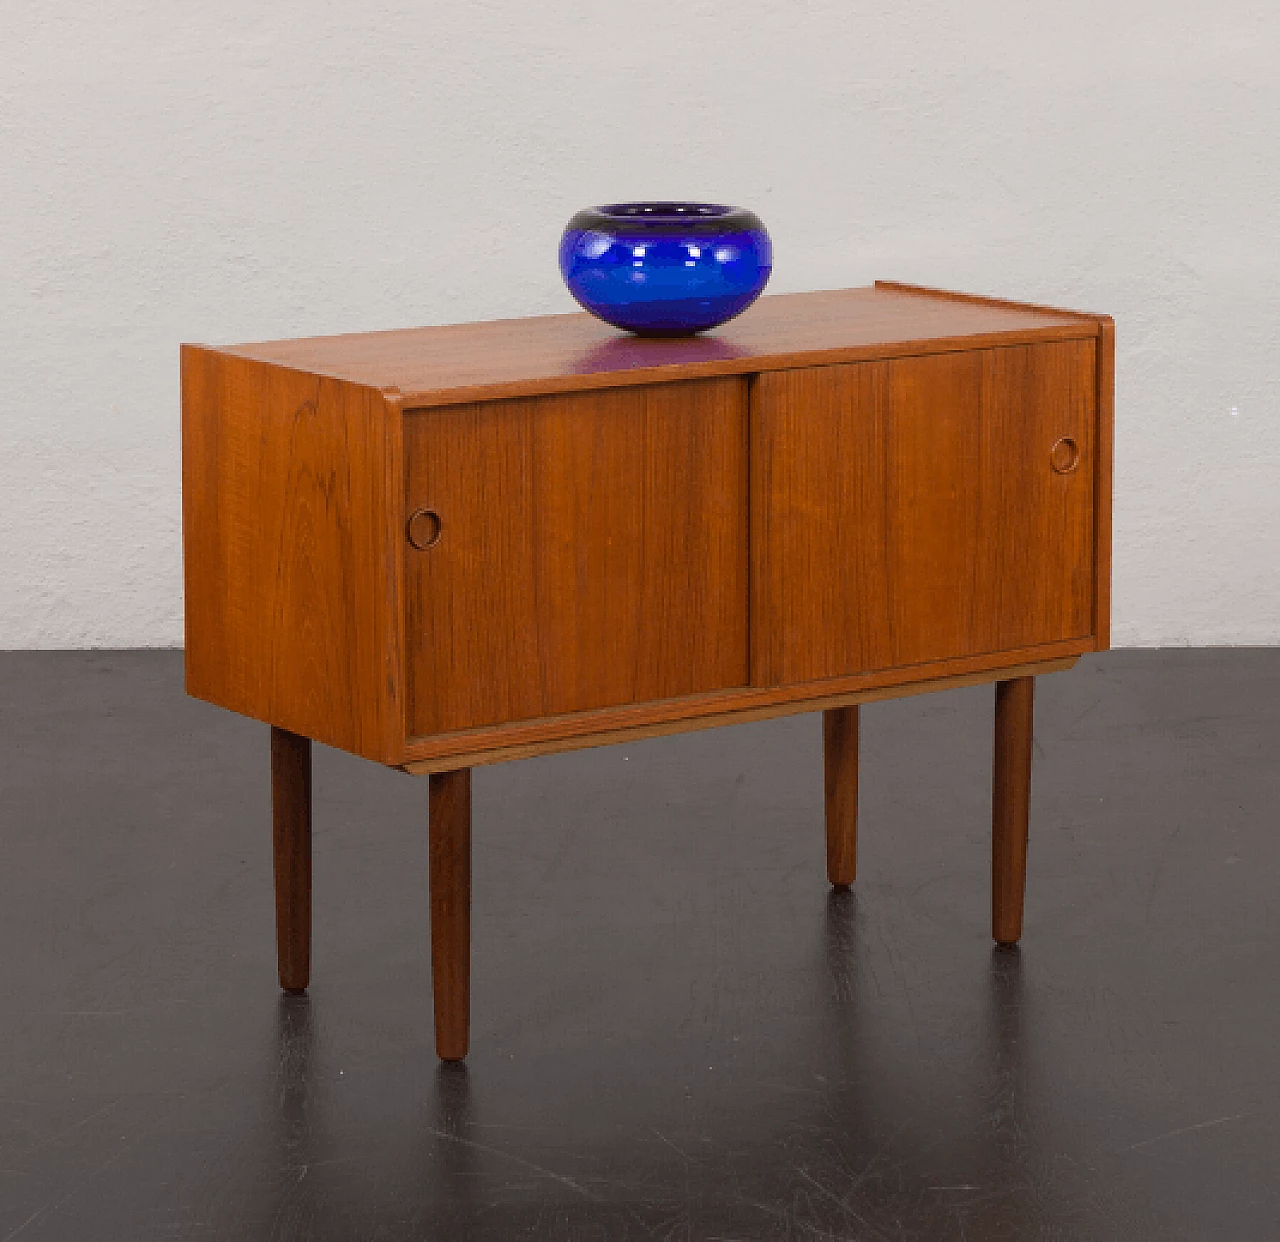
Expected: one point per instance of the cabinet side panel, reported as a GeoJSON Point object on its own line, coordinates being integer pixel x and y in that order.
{"type": "Point", "coordinates": [592, 552]}
{"type": "Point", "coordinates": [289, 567]}
{"type": "Point", "coordinates": [1104, 483]}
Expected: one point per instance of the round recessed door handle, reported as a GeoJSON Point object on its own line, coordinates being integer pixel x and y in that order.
{"type": "Point", "coordinates": [424, 529]}
{"type": "Point", "coordinates": [1064, 457]}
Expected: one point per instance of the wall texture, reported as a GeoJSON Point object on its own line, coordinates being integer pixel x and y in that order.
{"type": "Point", "coordinates": [240, 171]}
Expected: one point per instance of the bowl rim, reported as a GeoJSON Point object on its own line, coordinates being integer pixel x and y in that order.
{"type": "Point", "coordinates": [666, 216]}
{"type": "Point", "coordinates": [662, 210]}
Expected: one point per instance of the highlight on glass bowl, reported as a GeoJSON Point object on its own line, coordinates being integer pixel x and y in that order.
{"type": "Point", "coordinates": [665, 269]}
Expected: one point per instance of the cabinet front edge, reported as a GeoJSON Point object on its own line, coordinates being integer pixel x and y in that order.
{"type": "Point", "coordinates": [741, 715]}
{"type": "Point", "coordinates": [720, 704]}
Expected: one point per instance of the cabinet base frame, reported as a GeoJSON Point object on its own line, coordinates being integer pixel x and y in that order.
{"type": "Point", "coordinates": [730, 715]}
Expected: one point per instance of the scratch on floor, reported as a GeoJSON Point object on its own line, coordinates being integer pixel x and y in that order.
{"type": "Point", "coordinates": [1201, 1125]}
{"type": "Point", "coordinates": [496, 1125]}
{"type": "Point", "coordinates": [839, 1202]}
{"type": "Point", "coordinates": [55, 1204]}
{"type": "Point", "coordinates": [527, 1164]}
{"type": "Point", "coordinates": [320, 1164]}
{"type": "Point", "coordinates": [1157, 870]}
{"type": "Point", "coordinates": [865, 1171]}
{"type": "Point", "coordinates": [114, 1013]}
{"type": "Point", "coordinates": [71, 1129]}
{"type": "Point", "coordinates": [669, 1143]}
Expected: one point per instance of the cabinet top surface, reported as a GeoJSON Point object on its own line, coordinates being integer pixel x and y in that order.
{"type": "Point", "coordinates": [557, 353]}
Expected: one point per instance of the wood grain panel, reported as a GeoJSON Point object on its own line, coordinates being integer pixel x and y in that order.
{"type": "Point", "coordinates": [819, 533]}
{"type": "Point", "coordinates": [593, 551]}
{"type": "Point", "coordinates": [908, 511]}
{"type": "Point", "coordinates": [459, 363]}
{"type": "Point", "coordinates": [1035, 537]}
{"type": "Point", "coordinates": [291, 572]}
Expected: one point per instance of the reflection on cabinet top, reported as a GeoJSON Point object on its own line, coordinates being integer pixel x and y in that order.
{"type": "Point", "coordinates": [457, 363]}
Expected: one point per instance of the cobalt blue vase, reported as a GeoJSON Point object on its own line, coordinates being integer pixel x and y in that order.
{"type": "Point", "coordinates": [665, 269]}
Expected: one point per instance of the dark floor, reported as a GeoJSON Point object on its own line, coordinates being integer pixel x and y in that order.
{"type": "Point", "coordinates": [678, 1032]}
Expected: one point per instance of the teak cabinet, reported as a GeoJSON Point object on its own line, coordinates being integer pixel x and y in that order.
{"type": "Point", "coordinates": [452, 546]}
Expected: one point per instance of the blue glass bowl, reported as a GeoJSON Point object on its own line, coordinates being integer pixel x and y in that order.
{"type": "Point", "coordinates": [665, 269]}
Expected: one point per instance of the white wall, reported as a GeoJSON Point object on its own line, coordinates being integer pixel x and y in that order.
{"type": "Point", "coordinates": [244, 170]}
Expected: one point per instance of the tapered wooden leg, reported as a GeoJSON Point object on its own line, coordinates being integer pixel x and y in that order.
{"type": "Point", "coordinates": [840, 773]}
{"type": "Point", "coordinates": [450, 816]}
{"type": "Point", "coordinates": [291, 830]}
{"type": "Point", "coordinates": [1011, 806]}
